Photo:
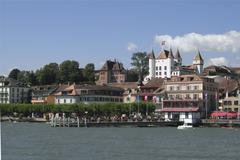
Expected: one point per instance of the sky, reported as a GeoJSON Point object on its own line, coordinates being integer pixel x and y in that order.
{"type": "Point", "coordinates": [37, 32]}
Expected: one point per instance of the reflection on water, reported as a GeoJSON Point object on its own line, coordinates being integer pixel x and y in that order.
{"type": "Point", "coordinates": [31, 141]}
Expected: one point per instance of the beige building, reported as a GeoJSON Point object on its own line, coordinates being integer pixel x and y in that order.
{"type": "Point", "coordinates": [131, 91]}
{"type": "Point", "coordinates": [88, 94]}
{"type": "Point", "coordinates": [188, 97]}
{"type": "Point", "coordinates": [231, 104]}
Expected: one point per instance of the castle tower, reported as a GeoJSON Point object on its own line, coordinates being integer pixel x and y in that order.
{"type": "Point", "coordinates": [178, 58]}
{"type": "Point", "coordinates": [151, 65]}
{"type": "Point", "coordinates": [198, 62]}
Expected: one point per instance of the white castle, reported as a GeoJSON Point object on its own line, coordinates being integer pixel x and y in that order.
{"type": "Point", "coordinates": [166, 65]}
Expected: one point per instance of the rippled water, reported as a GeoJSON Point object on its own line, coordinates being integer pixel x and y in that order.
{"type": "Point", "coordinates": [31, 141]}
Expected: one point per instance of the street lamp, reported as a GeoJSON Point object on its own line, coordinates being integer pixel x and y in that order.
{"type": "Point", "coordinates": [206, 96]}
{"type": "Point", "coordinates": [86, 112]}
{"type": "Point", "coordinates": [238, 102]}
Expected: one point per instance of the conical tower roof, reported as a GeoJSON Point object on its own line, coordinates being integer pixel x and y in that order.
{"type": "Point", "coordinates": [177, 55]}
{"type": "Point", "coordinates": [152, 55]}
{"type": "Point", "coordinates": [163, 54]}
{"type": "Point", "coordinates": [170, 55]}
{"type": "Point", "coordinates": [198, 56]}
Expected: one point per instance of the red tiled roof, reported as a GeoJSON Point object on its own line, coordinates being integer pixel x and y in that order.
{"type": "Point", "coordinates": [189, 109]}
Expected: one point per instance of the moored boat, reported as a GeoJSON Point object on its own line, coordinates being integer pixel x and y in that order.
{"type": "Point", "coordinates": [184, 126]}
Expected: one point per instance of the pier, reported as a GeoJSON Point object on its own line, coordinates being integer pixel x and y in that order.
{"type": "Point", "coordinates": [76, 122]}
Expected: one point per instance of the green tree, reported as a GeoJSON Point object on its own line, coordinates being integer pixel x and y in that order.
{"type": "Point", "coordinates": [70, 72]}
{"type": "Point", "coordinates": [14, 73]}
{"type": "Point", "coordinates": [89, 72]}
{"type": "Point", "coordinates": [140, 64]}
{"type": "Point", "coordinates": [49, 74]}
{"type": "Point", "coordinates": [132, 75]}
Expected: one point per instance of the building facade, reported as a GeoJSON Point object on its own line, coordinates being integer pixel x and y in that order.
{"type": "Point", "coordinates": [88, 94]}
{"type": "Point", "coordinates": [166, 65]}
{"type": "Point", "coordinates": [12, 91]}
{"type": "Point", "coordinates": [231, 104]}
{"type": "Point", "coordinates": [43, 94]}
{"type": "Point", "coordinates": [111, 72]}
{"type": "Point", "coordinates": [189, 98]}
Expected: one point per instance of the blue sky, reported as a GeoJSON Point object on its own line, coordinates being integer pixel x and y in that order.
{"type": "Point", "coordinates": [37, 32]}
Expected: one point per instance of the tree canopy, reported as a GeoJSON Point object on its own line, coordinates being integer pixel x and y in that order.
{"type": "Point", "coordinates": [140, 64]}
{"type": "Point", "coordinates": [14, 73]}
{"type": "Point", "coordinates": [53, 73]}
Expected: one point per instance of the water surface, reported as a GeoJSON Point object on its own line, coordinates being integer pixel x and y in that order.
{"type": "Point", "coordinates": [32, 141]}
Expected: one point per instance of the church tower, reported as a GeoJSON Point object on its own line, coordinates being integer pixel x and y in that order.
{"type": "Point", "coordinates": [152, 65]}
{"type": "Point", "coordinates": [198, 62]}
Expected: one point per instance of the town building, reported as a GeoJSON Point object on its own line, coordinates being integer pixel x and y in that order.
{"type": "Point", "coordinates": [13, 91]}
{"type": "Point", "coordinates": [111, 72]}
{"type": "Point", "coordinates": [153, 92]}
{"type": "Point", "coordinates": [189, 98]}
{"type": "Point", "coordinates": [43, 94]}
{"type": "Point", "coordinates": [88, 94]}
{"type": "Point", "coordinates": [166, 65]}
{"type": "Point", "coordinates": [131, 90]}
{"type": "Point", "coordinates": [231, 104]}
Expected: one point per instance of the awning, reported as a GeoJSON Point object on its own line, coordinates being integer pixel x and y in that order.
{"type": "Point", "coordinates": [218, 114]}
{"type": "Point", "coordinates": [223, 114]}
{"type": "Point", "coordinates": [188, 109]}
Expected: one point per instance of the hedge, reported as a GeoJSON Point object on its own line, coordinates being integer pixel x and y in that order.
{"type": "Point", "coordinates": [93, 109]}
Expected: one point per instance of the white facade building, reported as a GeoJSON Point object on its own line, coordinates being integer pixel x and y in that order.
{"type": "Point", "coordinates": [166, 65]}
{"type": "Point", "coordinates": [12, 91]}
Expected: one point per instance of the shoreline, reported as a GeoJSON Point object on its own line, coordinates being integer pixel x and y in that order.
{"type": "Point", "coordinates": [208, 124]}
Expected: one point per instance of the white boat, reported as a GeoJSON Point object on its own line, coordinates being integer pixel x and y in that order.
{"type": "Point", "coordinates": [184, 126]}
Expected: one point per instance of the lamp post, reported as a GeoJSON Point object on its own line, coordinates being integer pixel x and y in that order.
{"type": "Point", "coordinates": [206, 96]}
{"type": "Point", "coordinates": [86, 112]}
{"type": "Point", "coordinates": [238, 103]}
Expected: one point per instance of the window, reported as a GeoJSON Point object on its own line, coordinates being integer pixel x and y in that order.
{"type": "Point", "coordinates": [171, 88]}
{"type": "Point", "coordinates": [165, 67]}
{"type": "Point", "coordinates": [160, 73]}
{"type": "Point", "coordinates": [160, 68]}
{"type": "Point", "coordinates": [235, 103]}
{"type": "Point", "coordinates": [156, 73]}
{"type": "Point", "coordinates": [225, 102]}
{"type": "Point", "coordinates": [188, 87]}
{"type": "Point", "coordinates": [64, 101]}
{"type": "Point", "coordinates": [195, 87]}
{"type": "Point", "coordinates": [156, 68]}
{"type": "Point", "coordinates": [186, 115]}
{"type": "Point", "coordinates": [229, 103]}
{"type": "Point", "coordinates": [165, 73]}
{"type": "Point", "coordinates": [70, 100]}
{"type": "Point", "coordinates": [195, 96]}
{"type": "Point", "coordinates": [178, 88]}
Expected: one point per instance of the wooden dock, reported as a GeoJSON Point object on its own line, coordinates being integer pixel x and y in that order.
{"type": "Point", "coordinates": [76, 123]}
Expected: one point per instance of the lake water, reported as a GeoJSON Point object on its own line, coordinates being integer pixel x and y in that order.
{"type": "Point", "coordinates": [32, 141]}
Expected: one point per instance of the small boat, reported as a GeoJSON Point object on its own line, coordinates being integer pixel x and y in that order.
{"type": "Point", "coordinates": [184, 126]}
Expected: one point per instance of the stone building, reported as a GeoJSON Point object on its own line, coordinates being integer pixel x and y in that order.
{"type": "Point", "coordinates": [111, 72]}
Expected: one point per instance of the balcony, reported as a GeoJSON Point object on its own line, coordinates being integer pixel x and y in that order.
{"type": "Point", "coordinates": [182, 99]}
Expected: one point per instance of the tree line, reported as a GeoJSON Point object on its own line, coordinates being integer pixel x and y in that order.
{"type": "Point", "coordinates": [69, 71]}
{"type": "Point", "coordinates": [53, 73]}
{"type": "Point", "coordinates": [95, 109]}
